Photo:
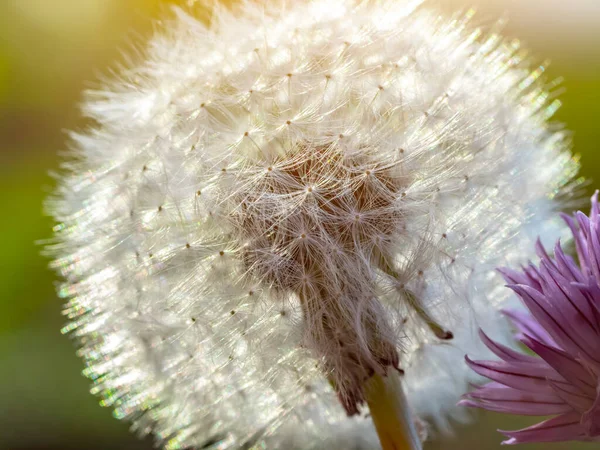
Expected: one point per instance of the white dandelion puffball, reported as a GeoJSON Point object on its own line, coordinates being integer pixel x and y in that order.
{"type": "Point", "coordinates": [271, 209]}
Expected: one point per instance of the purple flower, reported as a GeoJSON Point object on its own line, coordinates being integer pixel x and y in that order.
{"type": "Point", "coordinates": [564, 331]}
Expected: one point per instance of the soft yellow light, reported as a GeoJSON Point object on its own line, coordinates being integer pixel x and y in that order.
{"type": "Point", "coordinates": [63, 16]}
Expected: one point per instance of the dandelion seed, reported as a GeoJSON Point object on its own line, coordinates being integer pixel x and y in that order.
{"type": "Point", "coordinates": [313, 208]}
{"type": "Point", "coordinates": [564, 331]}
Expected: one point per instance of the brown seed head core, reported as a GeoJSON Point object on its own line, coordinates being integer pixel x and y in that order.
{"type": "Point", "coordinates": [315, 224]}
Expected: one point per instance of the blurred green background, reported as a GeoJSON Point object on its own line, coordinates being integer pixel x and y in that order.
{"type": "Point", "coordinates": [50, 50]}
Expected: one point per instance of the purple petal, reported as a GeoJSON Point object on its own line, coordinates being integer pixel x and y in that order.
{"type": "Point", "coordinates": [565, 365]}
{"type": "Point", "coordinates": [595, 249]}
{"type": "Point", "coordinates": [533, 275]}
{"type": "Point", "coordinates": [571, 305]}
{"type": "Point", "coordinates": [576, 294]}
{"type": "Point", "coordinates": [496, 391]}
{"type": "Point", "coordinates": [591, 418]}
{"type": "Point", "coordinates": [567, 265]}
{"type": "Point", "coordinates": [521, 408]}
{"type": "Point", "coordinates": [573, 397]}
{"type": "Point", "coordinates": [595, 211]}
{"type": "Point", "coordinates": [584, 228]}
{"type": "Point", "coordinates": [496, 397]}
{"type": "Point", "coordinates": [579, 244]}
{"type": "Point", "coordinates": [523, 376]}
{"type": "Point", "coordinates": [591, 293]}
{"type": "Point", "coordinates": [515, 277]}
{"type": "Point", "coordinates": [565, 427]}
{"type": "Point", "coordinates": [503, 352]}
{"type": "Point", "coordinates": [542, 253]}
{"type": "Point", "coordinates": [527, 325]}
{"type": "Point", "coordinates": [554, 322]}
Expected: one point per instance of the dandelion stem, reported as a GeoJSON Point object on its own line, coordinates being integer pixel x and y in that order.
{"type": "Point", "coordinates": [390, 413]}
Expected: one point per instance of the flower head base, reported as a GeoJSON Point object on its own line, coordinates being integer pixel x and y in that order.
{"type": "Point", "coordinates": [564, 331]}
{"type": "Point", "coordinates": [277, 210]}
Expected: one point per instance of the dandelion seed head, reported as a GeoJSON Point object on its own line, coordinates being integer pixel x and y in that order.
{"type": "Point", "coordinates": [275, 207]}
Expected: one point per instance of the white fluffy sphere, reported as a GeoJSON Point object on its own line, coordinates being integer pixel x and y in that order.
{"type": "Point", "coordinates": [271, 209]}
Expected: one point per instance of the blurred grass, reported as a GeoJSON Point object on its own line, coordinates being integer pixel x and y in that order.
{"type": "Point", "coordinates": [50, 50]}
{"type": "Point", "coordinates": [26, 284]}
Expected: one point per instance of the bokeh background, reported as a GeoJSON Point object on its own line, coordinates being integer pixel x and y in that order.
{"type": "Point", "coordinates": [51, 50]}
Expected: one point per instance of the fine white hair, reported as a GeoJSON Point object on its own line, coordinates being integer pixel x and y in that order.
{"type": "Point", "coordinates": [270, 208]}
